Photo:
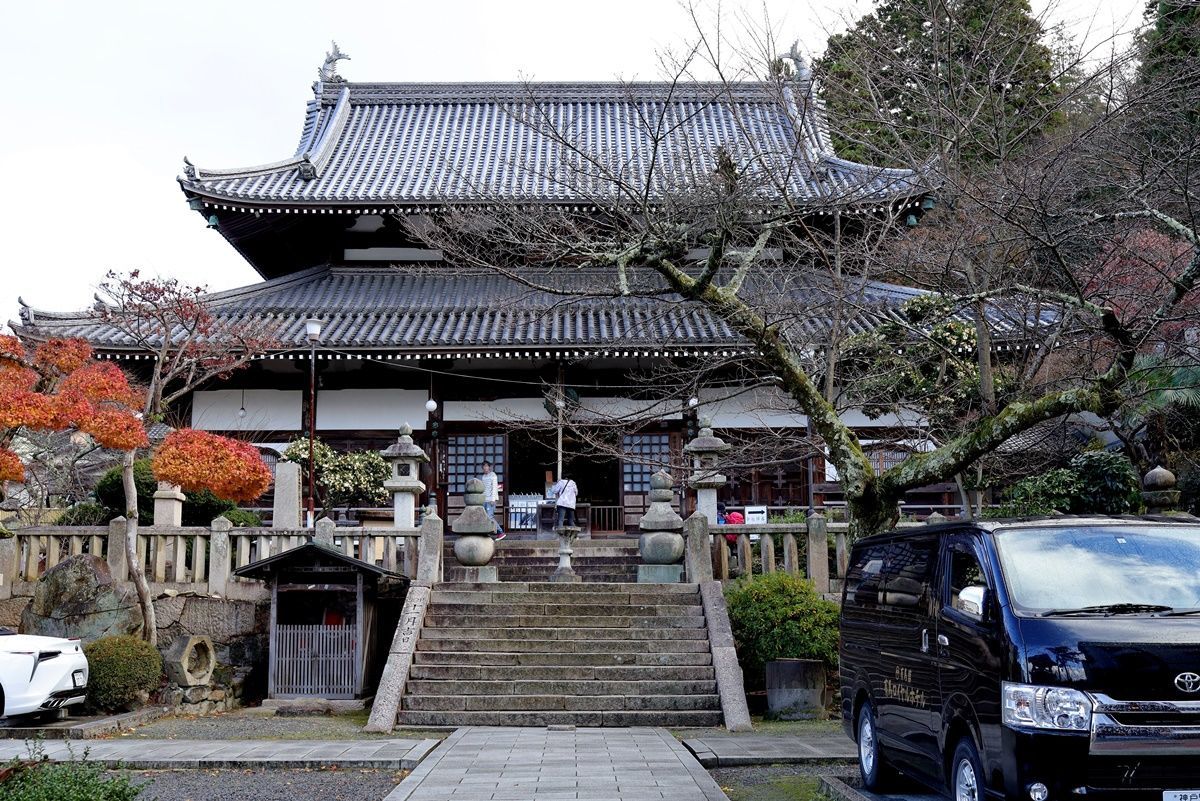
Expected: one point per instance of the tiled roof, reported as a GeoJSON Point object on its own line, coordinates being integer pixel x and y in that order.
{"type": "Point", "coordinates": [430, 143]}
{"type": "Point", "coordinates": [421, 309]}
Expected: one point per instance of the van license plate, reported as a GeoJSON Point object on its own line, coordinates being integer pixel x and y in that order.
{"type": "Point", "coordinates": [1181, 795]}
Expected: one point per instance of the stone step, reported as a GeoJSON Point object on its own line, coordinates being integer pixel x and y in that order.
{"type": "Point", "coordinates": [507, 576]}
{"type": "Point", "coordinates": [560, 673]}
{"type": "Point", "coordinates": [559, 588]}
{"type": "Point", "coordinates": [593, 634]}
{"type": "Point", "coordinates": [605, 598]}
{"type": "Point", "coordinates": [567, 687]}
{"type": "Point", "coordinates": [583, 718]}
{"type": "Point", "coordinates": [569, 609]}
{"type": "Point", "coordinates": [554, 703]}
{"type": "Point", "coordinates": [591, 658]}
{"type": "Point", "coordinates": [627, 646]}
{"type": "Point", "coordinates": [441, 619]}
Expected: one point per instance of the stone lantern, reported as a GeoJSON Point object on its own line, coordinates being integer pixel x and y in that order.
{"type": "Point", "coordinates": [661, 544]}
{"type": "Point", "coordinates": [406, 458]}
{"type": "Point", "coordinates": [706, 451]}
{"type": "Point", "coordinates": [1158, 491]}
{"type": "Point", "coordinates": [474, 547]}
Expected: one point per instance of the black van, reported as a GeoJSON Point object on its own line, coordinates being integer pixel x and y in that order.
{"type": "Point", "coordinates": [1036, 659]}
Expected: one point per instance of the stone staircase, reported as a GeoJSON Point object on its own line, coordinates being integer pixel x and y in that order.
{"type": "Point", "coordinates": [608, 561]}
{"type": "Point", "coordinates": [529, 653]}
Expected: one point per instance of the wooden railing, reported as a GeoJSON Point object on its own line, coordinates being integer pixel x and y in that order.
{"type": "Point", "coordinates": [607, 518]}
{"type": "Point", "coordinates": [196, 558]}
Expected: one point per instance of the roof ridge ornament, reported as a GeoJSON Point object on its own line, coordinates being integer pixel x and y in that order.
{"type": "Point", "coordinates": [328, 71]}
{"type": "Point", "coordinates": [189, 169]}
{"type": "Point", "coordinates": [799, 62]}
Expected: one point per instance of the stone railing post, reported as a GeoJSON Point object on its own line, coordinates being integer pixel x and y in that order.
{"type": "Point", "coordinates": [405, 458]}
{"type": "Point", "coordinates": [168, 505]}
{"type": "Point", "coordinates": [841, 552]}
{"type": "Point", "coordinates": [720, 557]}
{"type": "Point", "coordinates": [118, 566]}
{"type": "Point", "coordinates": [818, 552]}
{"type": "Point", "coordinates": [745, 555]}
{"type": "Point", "coordinates": [475, 547]}
{"type": "Point", "coordinates": [10, 565]}
{"type": "Point", "coordinates": [766, 550]}
{"type": "Point", "coordinates": [698, 553]}
{"type": "Point", "coordinates": [791, 554]}
{"type": "Point", "coordinates": [429, 551]}
{"type": "Point", "coordinates": [935, 518]}
{"type": "Point", "coordinates": [285, 512]}
{"type": "Point", "coordinates": [661, 544]}
{"type": "Point", "coordinates": [218, 557]}
{"type": "Point", "coordinates": [323, 532]}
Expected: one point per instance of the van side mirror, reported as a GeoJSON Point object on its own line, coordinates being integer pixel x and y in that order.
{"type": "Point", "coordinates": [971, 601]}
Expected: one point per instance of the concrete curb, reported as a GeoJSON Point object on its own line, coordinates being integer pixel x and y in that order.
{"type": "Point", "coordinates": [712, 791]}
{"type": "Point", "coordinates": [87, 730]}
{"type": "Point", "coordinates": [412, 781]}
{"type": "Point", "coordinates": [837, 788]}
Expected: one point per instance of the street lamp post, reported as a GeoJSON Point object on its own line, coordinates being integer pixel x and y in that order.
{"type": "Point", "coordinates": [312, 329]}
{"type": "Point", "coordinates": [431, 406]}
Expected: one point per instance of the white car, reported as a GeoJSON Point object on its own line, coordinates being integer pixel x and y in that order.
{"type": "Point", "coordinates": [40, 674]}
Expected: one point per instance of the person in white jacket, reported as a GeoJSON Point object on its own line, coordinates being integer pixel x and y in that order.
{"type": "Point", "coordinates": [491, 495]}
{"type": "Point", "coordinates": [565, 491]}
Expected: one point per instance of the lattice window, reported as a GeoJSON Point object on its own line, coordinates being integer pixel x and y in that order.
{"type": "Point", "coordinates": [645, 454]}
{"type": "Point", "coordinates": [465, 455]}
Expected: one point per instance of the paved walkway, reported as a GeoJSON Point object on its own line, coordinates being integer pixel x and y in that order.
{"type": "Point", "coordinates": [539, 764]}
{"type": "Point", "coordinates": [168, 754]}
{"type": "Point", "coordinates": [728, 750]}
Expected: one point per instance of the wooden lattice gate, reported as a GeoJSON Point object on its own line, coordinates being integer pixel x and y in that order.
{"type": "Point", "coordinates": [317, 661]}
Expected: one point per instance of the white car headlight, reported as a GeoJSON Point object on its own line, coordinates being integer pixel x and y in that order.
{"type": "Point", "coordinates": [1056, 708]}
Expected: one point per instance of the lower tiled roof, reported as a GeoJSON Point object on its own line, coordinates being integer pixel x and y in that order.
{"type": "Point", "coordinates": [422, 308]}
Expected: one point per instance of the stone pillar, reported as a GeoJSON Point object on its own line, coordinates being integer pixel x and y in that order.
{"type": "Point", "coordinates": [706, 451]}
{"type": "Point", "coordinates": [791, 554]}
{"type": "Point", "coordinates": [720, 558]}
{"type": "Point", "coordinates": [218, 557]}
{"type": "Point", "coordinates": [935, 519]}
{"type": "Point", "coordinates": [766, 550]}
{"type": "Point", "coordinates": [323, 532]}
{"type": "Point", "coordinates": [406, 458]}
{"type": "Point", "coordinates": [118, 566]}
{"type": "Point", "coordinates": [429, 551]}
{"type": "Point", "coordinates": [564, 572]}
{"type": "Point", "coordinates": [661, 544]}
{"type": "Point", "coordinates": [745, 555]}
{"type": "Point", "coordinates": [286, 511]}
{"type": "Point", "coordinates": [168, 505]}
{"type": "Point", "coordinates": [818, 552]}
{"type": "Point", "coordinates": [10, 568]}
{"type": "Point", "coordinates": [475, 547]}
{"type": "Point", "coordinates": [1158, 491]}
{"type": "Point", "coordinates": [698, 560]}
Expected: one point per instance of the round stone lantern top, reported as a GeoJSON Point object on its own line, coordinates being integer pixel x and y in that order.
{"type": "Point", "coordinates": [706, 442]}
{"type": "Point", "coordinates": [404, 447]}
{"type": "Point", "coordinates": [1160, 478]}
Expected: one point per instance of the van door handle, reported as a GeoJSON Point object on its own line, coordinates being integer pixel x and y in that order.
{"type": "Point", "coordinates": [924, 641]}
{"type": "Point", "coordinates": [943, 641]}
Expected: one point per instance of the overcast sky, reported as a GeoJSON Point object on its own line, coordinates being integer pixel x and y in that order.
{"type": "Point", "coordinates": [103, 99]}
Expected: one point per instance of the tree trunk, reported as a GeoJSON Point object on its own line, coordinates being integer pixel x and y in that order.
{"type": "Point", "coordinates": [136, 574]}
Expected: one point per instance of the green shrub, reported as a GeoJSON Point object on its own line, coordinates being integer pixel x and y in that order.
{"type": "Point", "coordinates": [118, 669]}
{"type": "Point", "coordinates": [780, 616]}
{"type": "Point", "coordinates": [86, 513]}
{"type": "Point", "coordinates": [242, 518]}
{"type": "Point", "coordinates": [201, 508]}
{"type": "Point", "coordinates": [37, 780]}
{"type": "Point", "coordinates": [1044, 494]}
{"type": "Point", "coordinates": [1108, 484]}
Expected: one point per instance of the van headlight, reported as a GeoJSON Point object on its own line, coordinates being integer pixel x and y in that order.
{"type": "Point", "coordinates": [1027, 706]}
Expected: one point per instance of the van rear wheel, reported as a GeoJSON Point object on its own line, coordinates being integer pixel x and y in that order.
{"type": "Point", "coordinates": [966, 772]}
{"type": "Point", "coordinates": [877, 775]}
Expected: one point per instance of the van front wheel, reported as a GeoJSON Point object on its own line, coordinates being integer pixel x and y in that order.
{"type": "Point", "coordinates": [966, 773]}
{"type": "Point", "coordinates": [877, 775]}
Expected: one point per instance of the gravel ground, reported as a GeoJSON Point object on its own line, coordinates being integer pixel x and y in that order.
{"type": "Point", "coordinates": [259, 724]}
{"type": "Point", "coordinates": [264, 785]}
{"type": "Point", "coordinates": [769, 783]}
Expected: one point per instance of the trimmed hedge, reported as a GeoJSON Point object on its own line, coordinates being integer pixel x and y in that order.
{"type": "Point", "coordinates": [777, 616]}
{"type": "Point", "coordinates": [118, 669]}
{"type": "Point", "coordinates": [65, 781]}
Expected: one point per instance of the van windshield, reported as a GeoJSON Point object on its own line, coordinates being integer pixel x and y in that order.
{"type": "Point", "coordinates": [1103, 570]}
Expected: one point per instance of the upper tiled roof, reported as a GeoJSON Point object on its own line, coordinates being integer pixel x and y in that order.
{"type": "Point", "coordinates": [366, 144]}
{"type": "Point", "coordinates": [418, 309]}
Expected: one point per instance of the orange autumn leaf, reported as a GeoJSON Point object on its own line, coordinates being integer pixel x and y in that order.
{"type": "Point", "coordinates": [198, 460]}
{"type": "Point", "coordinates": [64, 355]}
{"type": "Point", "coordinates": [115, 428]}
{"type": "Point", "coordinates": [11, 468]}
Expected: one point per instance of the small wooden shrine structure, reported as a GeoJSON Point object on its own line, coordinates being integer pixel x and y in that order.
{"type": "Point", "coordinates": [325, 621]}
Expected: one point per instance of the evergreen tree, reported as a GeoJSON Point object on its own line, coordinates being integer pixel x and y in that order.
{"type": "Point", "coordinates": [951, 79]}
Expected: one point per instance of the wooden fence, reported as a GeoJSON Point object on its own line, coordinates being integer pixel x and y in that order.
{"type": "Point", "coordinates": [319, 661]}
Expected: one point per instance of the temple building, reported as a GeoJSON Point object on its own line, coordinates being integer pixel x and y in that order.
{"type": "Point", "coordinates": [472, 359]}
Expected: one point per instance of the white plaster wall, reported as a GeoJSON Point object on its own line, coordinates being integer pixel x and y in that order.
{"type": "Point", "coordinates": [350, 409]}
{"type": "Point", "coordinates": [518, 409]}
{"type": "Point", "coordinates": [266, 410]}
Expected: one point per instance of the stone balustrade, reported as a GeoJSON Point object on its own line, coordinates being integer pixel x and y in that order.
{"type": "Point", "coordinates": [193, 558]}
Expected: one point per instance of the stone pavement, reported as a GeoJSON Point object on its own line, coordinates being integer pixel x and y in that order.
{"type": "Point", "coordinates": [169, 754]}
{"type": "Point", "coordinates": [725, 750]}
{"type": "Point", "coordinates": [548, 764]}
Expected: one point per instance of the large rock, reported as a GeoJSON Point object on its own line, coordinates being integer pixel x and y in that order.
{"type": "Point", "coordinates": [78, 598]}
